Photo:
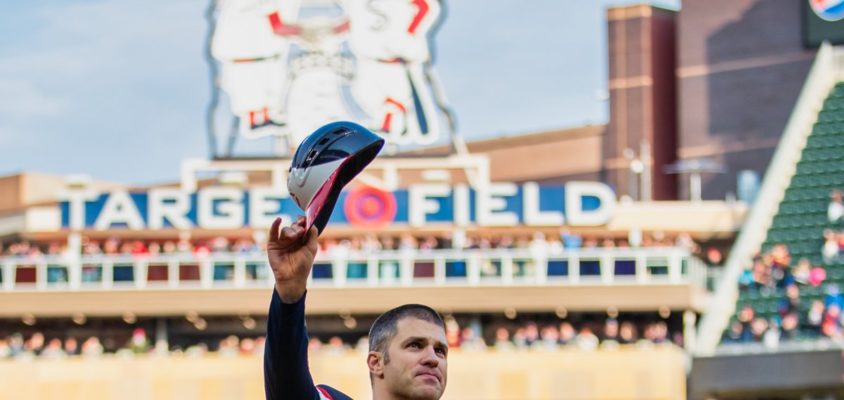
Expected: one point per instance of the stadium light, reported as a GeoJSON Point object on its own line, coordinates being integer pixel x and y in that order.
{"type": "Point", "coordinates": [695, 167]}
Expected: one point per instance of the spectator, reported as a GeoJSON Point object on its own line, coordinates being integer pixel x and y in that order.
{"type": "Point", "coordinates": [830, 246]}
{"type": "Point", "coordinates": [746, 280]}
{"type": "Point", "coordinates": [16, 345]}
{"type": "Point", "coordinates": [452, 332]}
{"type": "Point", "coordinates": [92, 347]}
{"type": "Point", "coordinates": [314, 345]}
{"type": "Point", "coordinates": [230, 346]}
{"type": "Point", "coordinates": [53, 350]}
{"type": "Point", "coordinates": [550, 338]}
{"type": "Point", "coordinates": [567, 333]}
{"type": "Point", "coordinates": [247, 346]}
{"type": "Point", "coordinates": [660, 332]}
{"type": "Point", "coordinates": [771, 337]}
{"type": "Point", "coordinates": [789, 327]}
{"type": "Point", "coordinates": [761, 274]}
{"type": "Point", "coordinates": [781, 260]}
{"type": "Point", "coordinates": [71, 346]}
{"type": "Point", "coordinates": [586, 340]}
{"type": "Point", "coordinates": [831, 325]}
{"type": "Point", "coordinates": [713, 256]}
{"type": "Point", "coordinates": [570, 240]}
{"type": "Point", "coordinates": [336, 346]}
{"type": "Point", "coordinates": [757, 328]}
{"type": "Point", "coordinates": [840, 239]}
{"type": "Point", "coordinates": [5, 350]}
{"type": "Point", "coordinates": [745, 317]}
{"type": "Point", "coordinates": [817, 275]}
{"type": "Point", "coordinates": [801, 271]}
{"type": "Point", "coordinates": [154, 249]}
{"type": "Point", "coordinates": [138, 344]}
{"type": "Point", "coordinates": [531, 334]}
{"type": "Point", "coordinates": [520, 339]}
{"type": "Point", "coordinates": [195, 351]}
{"type": "Point", "coordinates": [627, 333]}
{"type": "Point", "coordinates": [814, 318]}
{"type": "Point", "coordinates": [35, 344]}
{"type": "Point", "coordinates": [736, 333]}
{"type": "Point", "coordinates": [611, 330]}
{"type": "Point", "coordinates": [835, 211]}
{"type": "Point", "coordinates": [610, 334]}
{"type": "Point", "coordinates": [469, 341]}
{"type": "Point", "coordinates": [502, 340]}
{"type": "Point", "coordinates": [791, 302]}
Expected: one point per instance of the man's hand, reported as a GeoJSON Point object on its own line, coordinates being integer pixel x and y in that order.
{"type": "Point", "coordinates": [291, 254]}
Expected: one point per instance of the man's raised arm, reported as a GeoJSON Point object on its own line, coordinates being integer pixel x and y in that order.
{"type": "Point", "coordinates": [291, 253]}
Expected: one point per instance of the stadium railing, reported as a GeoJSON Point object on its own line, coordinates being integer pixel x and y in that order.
{"type": "Point", "coordinates": [494, 267]}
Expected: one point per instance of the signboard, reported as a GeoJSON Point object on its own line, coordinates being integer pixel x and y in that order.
{"type": "Point", "coordinates": [290, 66]}
{"type": "Point", "coordinates": [823, 20]}
{"type": "Point", "coordinates": [499, 204]}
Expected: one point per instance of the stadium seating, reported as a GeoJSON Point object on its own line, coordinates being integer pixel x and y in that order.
{"type": "Point", "coordinates": [801, 219]}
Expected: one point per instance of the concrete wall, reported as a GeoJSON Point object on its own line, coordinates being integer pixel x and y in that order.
{"type": "Point", "coordinates": [625, 373]}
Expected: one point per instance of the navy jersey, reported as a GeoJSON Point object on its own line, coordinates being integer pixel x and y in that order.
{"type": "Point", "coordinates": [286, 373]}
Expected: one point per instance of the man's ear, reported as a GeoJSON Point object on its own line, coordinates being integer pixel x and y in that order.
{"type": "Point", "coordinates": [375, 362]}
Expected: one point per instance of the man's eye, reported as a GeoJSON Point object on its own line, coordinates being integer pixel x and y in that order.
{"type": "Point", "coordinates": [440, 351]}
{"type": "Point", "coordinates": [415, 345]}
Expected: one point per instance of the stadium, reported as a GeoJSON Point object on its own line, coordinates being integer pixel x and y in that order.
{"type": "Point", "coordinates": [692, 247]}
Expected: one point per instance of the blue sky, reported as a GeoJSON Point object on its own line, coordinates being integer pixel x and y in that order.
{"type": "Point", "coordinates": [117, 89]}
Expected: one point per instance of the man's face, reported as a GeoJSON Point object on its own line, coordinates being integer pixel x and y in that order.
{"type": "Point", "coordinates": [417, 365]}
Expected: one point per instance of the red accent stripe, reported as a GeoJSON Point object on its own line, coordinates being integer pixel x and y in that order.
{"type": "Point", "coordinates": [342, 27]}
{"type": "Point", "coordinates": [324, 393]}
{"type": "Point", "coordinates": [388, 119]}
{"type": "Point", "coordinates": [389, 100]}
{"type": "Point", "coordinates": [280, 28]}
{"type": "Point", "coordinates": [275, 22]}
{"type": "Point", "coordinates": [423, 9]}
{"type": "Point", "coordinates": [252, 119]}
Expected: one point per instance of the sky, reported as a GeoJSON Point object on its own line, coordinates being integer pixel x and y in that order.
{"type": "Point", "coordinates": [118, 91]}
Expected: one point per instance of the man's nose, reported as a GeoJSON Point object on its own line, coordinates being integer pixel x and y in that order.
{"type": "Point", "coordinates": [429, 358]}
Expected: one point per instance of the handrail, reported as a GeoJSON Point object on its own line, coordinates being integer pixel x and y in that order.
{"type": "Point", "coordinates": [821, 79]}
{"type": "Point", "coordinates": [402, 268]}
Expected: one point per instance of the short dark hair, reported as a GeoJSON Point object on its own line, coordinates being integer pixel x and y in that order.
{"type": "Point", "coordinates": [384, 329]}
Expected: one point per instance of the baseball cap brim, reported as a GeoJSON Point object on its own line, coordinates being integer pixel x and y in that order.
{"type": "Point", "coordinates": [321, 206]}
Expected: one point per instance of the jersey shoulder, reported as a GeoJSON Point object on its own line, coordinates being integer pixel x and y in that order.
{"type": "Point", "coordinates": [329, 393]}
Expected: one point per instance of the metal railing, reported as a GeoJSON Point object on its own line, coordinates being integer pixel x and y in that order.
{"type": "Point", "coordinates": [496, 267]}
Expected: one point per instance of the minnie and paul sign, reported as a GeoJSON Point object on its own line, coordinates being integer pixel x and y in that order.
{"type": "Point", "coordinates": [500, 204]}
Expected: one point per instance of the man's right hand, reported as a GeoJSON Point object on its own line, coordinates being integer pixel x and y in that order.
{"type": "Point", "coordinates": [291, 253]}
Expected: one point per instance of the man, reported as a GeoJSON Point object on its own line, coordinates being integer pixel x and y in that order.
{"type": "Point", "coordinates": [407, 356]}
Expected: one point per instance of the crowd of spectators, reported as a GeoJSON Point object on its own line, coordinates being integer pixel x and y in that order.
{"type": "Point", "coordinates": [16, 346]}
{"type": "Point", "coordinates": [773, 275]}
{"type": "Point", "coordinates": [565, 334]}
{"type": "Point", "coordinates": [358, 243]}
{"type": "Point", "coordinates": [527, 336]}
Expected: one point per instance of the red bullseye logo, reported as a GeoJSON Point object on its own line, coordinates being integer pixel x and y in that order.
{"type": "Point", "coordinates": [368, 206]}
